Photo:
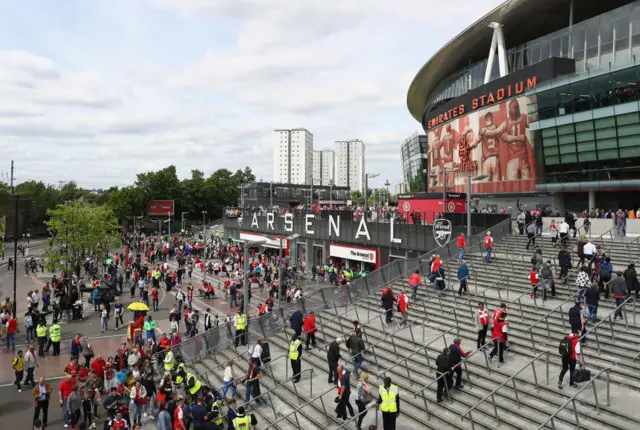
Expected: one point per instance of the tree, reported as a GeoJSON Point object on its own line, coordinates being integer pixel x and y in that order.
{"type": "Point", "coordinates": [79, 229]}
{"type": "Point", "coordinates": [356, 197]}
{"type": "Point", "coordinates": [416, 185]}
{"type": "Point", "coordinates": [2, 236]}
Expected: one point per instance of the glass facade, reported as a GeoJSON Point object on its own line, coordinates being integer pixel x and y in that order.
{"type": "Point", "coordinates": [589, 130]}
{"type": "Point", "coordinates": [602, 42]}
{"type": "Point", "coordinates": [414, 161]}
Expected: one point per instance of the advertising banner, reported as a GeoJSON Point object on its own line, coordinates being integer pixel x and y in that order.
{"type": "Point", "coordinates": [356, 254]}
{"type": "Point", "coordinates": [494, 142]}
{"type": "Point", "coordinates": [161, 207]}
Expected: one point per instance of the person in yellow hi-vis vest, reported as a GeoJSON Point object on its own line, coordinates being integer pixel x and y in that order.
{"type": "Point", "coordinates": [240, 321]}
{"type": "Point", "coordinates": [169, 361]}
{"type": "Point", "coordinates": [295, 355]}
{"type": "Point", "coordinates": [242, 421]}
{"type": "Point", "coordinates": [389, 402]}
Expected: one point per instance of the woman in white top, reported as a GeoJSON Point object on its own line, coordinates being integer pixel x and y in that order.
{"type": "Point", "coordinates": [138, 398]}
{"type": "Point", "coordinates": [364, 398]}
{"type": "Point", "coordinates": [104, 319]}
{"type": "Point", "coordinates": [229, 380]}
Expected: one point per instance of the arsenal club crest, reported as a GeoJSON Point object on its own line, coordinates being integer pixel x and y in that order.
{"type": "Point", "coordinates": [442, 230]}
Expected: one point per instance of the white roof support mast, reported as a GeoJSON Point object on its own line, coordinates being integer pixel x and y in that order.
{"type": "Point", "coordinates": [497, 42]}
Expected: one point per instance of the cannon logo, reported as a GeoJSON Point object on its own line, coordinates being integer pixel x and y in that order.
{"type": "Point", "coordinates": [442, 231]}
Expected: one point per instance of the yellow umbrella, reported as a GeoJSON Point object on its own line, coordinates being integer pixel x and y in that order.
{"type": "Point", "coordinates": [138, 306]}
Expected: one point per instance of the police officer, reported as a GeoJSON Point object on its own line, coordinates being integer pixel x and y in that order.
{"type": "Point", "coordinates": [295, 355]}
{"type": "Point", "coordinates": [241, 326]}
{"type": "Point", "coordinates": [169, 361]}
{"type": "Point", "coordinates": [55, 336]}
{"type": "Point", "coordinates": [41, 333]}
{"type": "Point", "coordinates": [181, 374]}
{"type": "Point", "coordinates": [389, 402]}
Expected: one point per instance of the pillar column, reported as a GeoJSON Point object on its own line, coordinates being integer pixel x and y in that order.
{"type": "Point", "coordinates": [558, 201]}
{"type": "Point", "coordinates": [308, 255]}
{"type": "Point", "coordinates": [592, 199]}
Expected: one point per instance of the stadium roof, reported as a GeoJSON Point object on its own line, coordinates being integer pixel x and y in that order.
{"type": "Point", "coordinates": [522, 20]}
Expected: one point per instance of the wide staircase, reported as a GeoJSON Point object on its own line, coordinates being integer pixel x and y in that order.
{"type": "Point", "coordinates": [522, 393]}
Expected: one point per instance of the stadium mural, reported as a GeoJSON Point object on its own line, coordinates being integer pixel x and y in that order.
{"type": "Point", "coordinates": [494, 141]}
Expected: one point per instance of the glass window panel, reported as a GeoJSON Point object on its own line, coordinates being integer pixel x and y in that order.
{"type": "Point", "coordinates": [607, 144]}
{"type": "Point", "coordinates": [584, 126]}
{"type": "Point", "coordinates": [630, 152]}
{"type": "Point", "coordinates": [585, 136]}
{"type": "Point", "coordinates": [547, 132]}
{"type": "Point", "coordinates": [586, 146]}
{"type": "Point", "coordinates": [569, 158]}
{"type": "Point", "coordinates": [592, 31]}
{"type": "Point", "coordinates": [627, 141]}
{"type": "Point", "coordinates": [552, 150]}
{"type": "Point", "coordinates": [556, 46]}
{"type": "Point", "coordinates": [552, 160]}
{"type": "Point", "coordinates": [587, 156]}
{"type": "Point", "coordinates": [635, 19]}
{"type": "Point", "coordinates": [606, 54]}
{"type": "Point", "coordinates": [578, 40]}
{"type": "Point", "coordinates": [622, 27]}
{"type": "Point", "coordinates": [609, 154]}
{"type": "Point", "coordinates": [609, 121]}
{"type": "Point", "coordinates": [629, 130]}
{"type": "Point", "coordinates": [565, 129]}
{"type": "Point", "coordinates": [535, 53]}
{"type": "Point", "coordinates": [605, 133]}
{"type": "Point", "coordinates": [550, 141]}
{"type": "Point", "coordinates": [606, 28]}
{"type": "Point", "coordinates": [565, 49]}
{"type": "Point", "coordinates": [622, 52]}
{"type": "Point", "coordinates": [567, 149]}
{"type": "Point", "coordinates": [592, 58]}
{"type": "Point", "coordinates": [628, 118]}
{"type": "Point", "coordinates": [545, 49]}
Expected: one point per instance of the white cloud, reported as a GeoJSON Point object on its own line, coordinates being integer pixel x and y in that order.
{"type": "Point", "coordinates": [203, 83]}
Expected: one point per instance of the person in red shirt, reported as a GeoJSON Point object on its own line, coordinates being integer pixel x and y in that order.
{"type": "Point", "coordinates": [309, 327]}
{"type": "Point", "coordinates": [165, 343]}
{"type": "Point", "coordinates": [403, 308]}
{"type": "Point", "coordinates": [462, 244]}
{"type": "Point", "coordinates": [98, 365]}
{"type": "Point", "coordinates": [534, 277]}
{"type": "Point", "coordinates": [414, 283]}
{"type": "Point", "coordinates": [119, 423]}
{"type": "Point", "coordinates": [497, 334]}
{"type": "Point", "coordinates": [154, 298]}
{"type": "Point", "coordinates": [488, 247]}
{"type": "Point", "coordinates": [64, 390]}
{"type": "Point", "coordinates": [72, 368]}
{"type": "Point", "coordinates": [83, 373]}
{"type": "Point", "coordinates": [178, 416]}
{"type": "Point", "coordinates": [12, 327]}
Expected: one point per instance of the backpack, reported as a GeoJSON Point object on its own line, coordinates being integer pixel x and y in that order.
{"type": "Point", "coordinates": [546, 271]}
{"type": "Point", "coordinates": [266, 353]}
{"type": "Point", "coordinates": [564, 349]}
{"type": "Point", "coordinates": [605, 272]}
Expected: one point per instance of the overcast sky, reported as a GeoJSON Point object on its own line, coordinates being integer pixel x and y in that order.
{"type": "Point", "coordinates": [98, 90]}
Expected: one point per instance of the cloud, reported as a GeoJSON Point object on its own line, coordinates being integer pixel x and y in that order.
{"type": "Point", "coordinates": [203, 83]}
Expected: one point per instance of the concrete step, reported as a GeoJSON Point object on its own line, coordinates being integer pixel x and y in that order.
{"type": "Point", "coordinates": [626, 373]}
{"type": "Point", "coordinates": [545, 401]}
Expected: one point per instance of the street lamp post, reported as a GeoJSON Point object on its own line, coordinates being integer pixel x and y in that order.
{"type": "Point", "coordinates": [169, 225]}
{"type": "Point", "coordinates": [271, 194]}
{"type": "Point", "coordinates": [204, 249]}
{"type": "Point", "coordinates": [182, 224]}
{"type": "Point", "coordinates": [469, 179]}
{"type": "Point", "coordinates": [331, 194]}
{"type": "Point", "coordinates": [366, 189]}
{"type": "Point", "coordinates": [15, 254]}
{"type": "Point", "coordinates": [387, 184]}
{"type": "Point", "coordinates": [280, 254]}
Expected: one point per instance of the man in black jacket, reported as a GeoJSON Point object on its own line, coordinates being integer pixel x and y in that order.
{"type": "Point", "coordinates": [577, 320]}
{"type": "Point", "coordinates": [333, 355]}
{"type": "Point", "coordinates": [443, 367]}
{"type": "Point", "coordinates": [564, 260]}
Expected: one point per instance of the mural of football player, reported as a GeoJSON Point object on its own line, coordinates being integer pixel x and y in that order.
{"type": "Point", "coordinates": [490, 146]}
{"type": "Point", "coordinates": [449, 144]}
{"type": "Point", "coordinates": [513, 133]}
{"type": "Point", "coordinates": [435, 159]}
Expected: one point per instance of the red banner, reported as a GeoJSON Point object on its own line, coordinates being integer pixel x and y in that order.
{"type": "Point", "coordinates": [160, 207]}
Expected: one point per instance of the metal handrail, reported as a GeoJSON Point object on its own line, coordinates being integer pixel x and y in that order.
{"type": "Point", "coordinates": [637, 242]}
{"type": "Point", "coordinates": [512, 380]}
{"type": "Point", "coordinates": [307, 403]}
{"type": "Point", "coordinates": [415, 351]}
{"type": "Point", "coordinates": [444, 375]}
{"type": "Point", "coordinates": [546, 318]}
{"type": "Point", "coordinates": [611, 235]}
{"type": "Point", "coordinates": [572, 400]}
{"type": "Point", "coordinates": [272, 389]}
{"type": "Point", "coordinates": [608, 317]}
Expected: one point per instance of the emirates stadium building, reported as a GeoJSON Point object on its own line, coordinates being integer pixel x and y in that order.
{"type": "Point", "coordinates": [537, 101]}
